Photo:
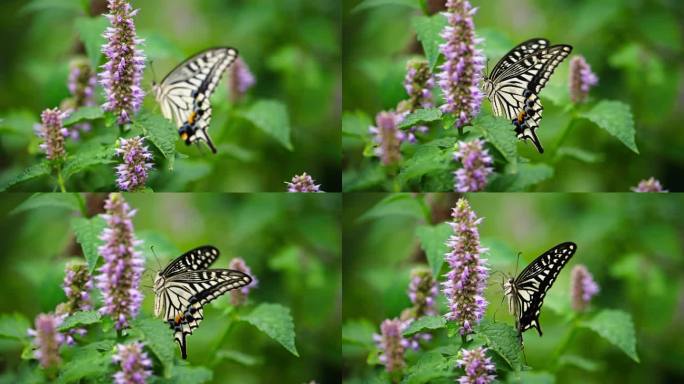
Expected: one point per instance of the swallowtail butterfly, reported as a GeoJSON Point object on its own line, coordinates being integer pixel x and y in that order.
{"type": "Point", "coordinates": [514, 84]}
{"type": "Point", "coordinates": [186, 285]}
{"type": "Point", "coordinates": [526, 292]}
{"type": "Point", "coordinates": [184, 93]}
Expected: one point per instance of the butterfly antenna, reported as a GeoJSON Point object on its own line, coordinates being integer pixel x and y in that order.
{"type": "Point", "coordinates": [155, 256]}
{"type": "Point", "coordinates": [516, 263]}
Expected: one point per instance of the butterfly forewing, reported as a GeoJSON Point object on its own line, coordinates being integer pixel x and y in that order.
{"type": "Point", "coordinates": [521, 50]}
{"type": "Point", "coordinates": [531, 285]}
{"type": "Point", "coordinates": [195, 259]}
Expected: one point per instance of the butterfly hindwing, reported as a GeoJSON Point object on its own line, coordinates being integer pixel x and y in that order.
{"type": "Point", "coordinates": [186, 285]}
{"type": "Point", "coordinates": [534, 281]}
{"type": "Point", "coordinates": [184, 93]}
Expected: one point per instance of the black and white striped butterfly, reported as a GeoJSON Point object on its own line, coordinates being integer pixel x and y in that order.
{"type": "Point", "coordinates": [184, 93]}
{"type": "Point", "coordinates": [186, 285]}
{"type": "Point", "coordinates": [514, 84]}
{"type": "Point", "coordinates": [526, 292]}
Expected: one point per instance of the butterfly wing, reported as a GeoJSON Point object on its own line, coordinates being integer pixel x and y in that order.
{"type": "Point", "coordinates": [184, 93]}
{"type": "Point", "coordinates": [521, 50]}
{"type": "Point", "coordinates": [185, 294]}
{"type": "Point", "coordinates": [193, 260]}
{"type": "Point", "coordinates": [535, 280]}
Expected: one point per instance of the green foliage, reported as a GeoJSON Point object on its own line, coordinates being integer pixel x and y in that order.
{"type": "Point", "coordinates": [48, 200]}
{"type": "Point", "coordinates": [90, 31]}
{"type": "Point", "coordinates": [83, 114]}
{"type": "Point", "coordinates": [85, 160]}
{"type": "Point", "coordinates": [275, 321]}
{"type": "Point", "coordinates": [617, 327]}
{"type": "Point", "coordinates": [420, 116]}
{"type": "Point", "coordinates": [502, 339]}
{"type": "Point", "coordinates": [92, 361]}
{"type": "Point", "coordinates": [498, 132]}
{"type": "Point", "coordinates": [616, 118]}
{"type": "Point", "coordinates": [271, 116]}
{"type": "Point", "coordinates": [427, 159]}
{"type": "Point", "coordinates": [160, 132]}
{"type": "Point", "coordinates": [428, 29]}
{"type": "Point", "coordinates": [366, 4]}
{"type": "Point", "coordinates": [88, 232]}
{"type": "Point", "coordinates": [423, 323]}
{"type": "Point", "coordinates": [429, 367]}
{"type": "Point", "coordinates": [79, 318]}
{"type": "Point", "coordinates": [397, 204]}
{"type": "Point", "coordinates": [183, 375]}
{"type": "Point", "coordinates": [526, 176]}
{"type": "Point", "coordinates": [32, 172]}
{"type": "Point", "coordinates": [14, 326]}
{"type": "Point", "coordinates": [433, 240]}
{"type": "Point", "coordinates": [158, 337]}
{"type": "Point", "coordinates": [358, 332]}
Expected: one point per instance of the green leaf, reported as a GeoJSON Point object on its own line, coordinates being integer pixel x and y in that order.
{"type": "Point", "coordinates": [238, 357]}
{"type": "Point", "coordinates": [397, 204]}
{"type": "Point", "coordinates": [67, 201]}
{"type": "Point", "coordinates": [158, 338]}
{"type": "Point", "coordinates": [499, 132]}
{"type": "Point", "coordinates": [420, 117]}
{"type": "Point", "coordinates": [366, 4]}
{"type": "Point", "coordinates": [271, 116]}
{"type": "Point", "coordinates": [90, 30]}
{"type": "Point", "coordinates": [79, 318]}
{"type": "Point", "coordinates": [431, 365]}
{"type": "Point", "coordinates": [84, 113]}
{"type": "Point", "coordinates": [85, 159]}
{"type": "Point", "coordinates": [186, 375]}
{"type": "Point", "coordinates": [32, 172]}
{"type": "Point", "coordinates": [579, 362]}
{"type": "Point", "coordinates": [359, 332]}
{"type": "Point", "coordinates": [502, 339]}
{"type": "Point", "coordinates": [365, 178]}
{"type": "Point", "coordinates": [425, 322]}
{"type": "Point", "coordinates": [428, 29]}
{"type": "Point", "coordinates": [88, 233]}
{"type": "Point", "coordinates": [617, 327]}
{"type": "Point", "coordinates": [526, 176]}
{"type": "Point", "coordinates": [88, 362]}
{"type": "Point", "coordinates": [616, 118]}
{"type": "Point", "coordinates": [526, 377]}
{"type": "Point", "coordinates": [14, 326]}
{"type": "Point", "coordinates": [426, 159]}
{"type": "Point", "coordinates": [161, 132]}
{"type": "Point", "coordinates": [355, 124]}
{"type": "Point", "coordinates": [433, 242]}
{"type": "Point", "coordinates": [51, 5]}
{"type": "Point", "coordinates": [275, 321]}
{"type": "Point", "coordinates": [579, 154]}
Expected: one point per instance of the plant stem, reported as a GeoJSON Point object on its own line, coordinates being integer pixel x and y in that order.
{"type": "Point", "coordinates": [424, 7]}
{"type": "Point", "coordinates": [564, 342]}
{"type": "Point", "coordinates": [60, 179]}
{"type": "Point", "coordinates": [82, 205]}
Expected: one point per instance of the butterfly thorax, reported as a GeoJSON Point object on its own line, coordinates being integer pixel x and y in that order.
{"type": "Point", "coordinates": [159, 283]}
{"type": "Point", "coordinates": [510, 292]}
{"type": "Point", "coordinates": [488, 87]}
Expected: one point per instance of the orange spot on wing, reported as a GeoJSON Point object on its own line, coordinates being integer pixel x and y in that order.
{"type": "Point", "coordinates": [191, 118]}
{"type": "Point", "coordinates": [521, 116]}
{"type": "Point", "coordinates": [178, 318]}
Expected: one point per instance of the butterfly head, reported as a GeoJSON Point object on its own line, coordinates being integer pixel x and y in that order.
{"type": "Point", "coordinates": [488, 87]}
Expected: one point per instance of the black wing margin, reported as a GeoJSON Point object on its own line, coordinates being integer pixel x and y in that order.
{"type": "Point", "coordinates": [516, 54]}
{"type": "Point", "coordinates": [195, 259]}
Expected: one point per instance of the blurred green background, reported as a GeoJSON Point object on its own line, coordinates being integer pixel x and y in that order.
{"type": "Point", "coordinates": [632, 244]}
{"type": "Point", "coordinates": [634, 46]}
{"type": "Point", "coordinates": [290, 241]}
{"type": "Point", "coordinates": [291, 46]}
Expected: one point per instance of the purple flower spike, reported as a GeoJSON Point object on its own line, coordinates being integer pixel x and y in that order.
{"type": "Point", "coordinates": [388, 137]}
{"type": "Point", "coordinates": [650, 185]}
{"type": "Point", "coordinates": [136, 366]}
{"type": "Point", "coordinates": [472, 177]}
{"type": "Point", "coordinates": [392, 345]}
{"type": "Point", "coordinates": [82, 81]}
{"type": "Point", "coordinates": [422, 292]}
{"type": "Point", "coordinates": [47, 340]}
{"type": "Point", "coordinates": [583, 288]}
{"type": "Point", "coordinates": [239, 296]}
{"type": "Point", "coordinates": [133, 172]}
{"type": "Point", "coordinates": [123, 71]}
{"type": "Point", "coordinates": [52, 132]}
{"type": "Point", "coordinates": [466, 281]}
{"type": "Point", "coordinates": [77, 286]}
{"type": "Point", "coordinates": [461, 72]}
{"type": "Point", "coordinates": [581, 79]}
{"type": "Point", "coordinates": [240, 79]}
{"type": "Point", "coordinates": [418, 84]}
{"type": "Point", "coordinates": [119, 277]}
{"type": "Point", "coordinates": [303, 183]}
{"type": "Point", "coordinates": [479, 368]}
